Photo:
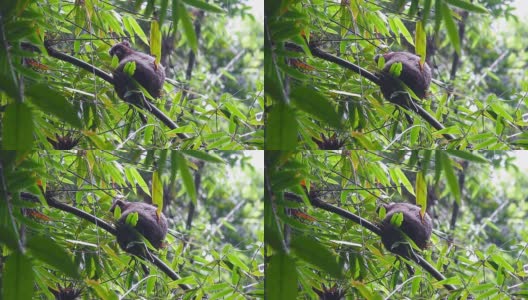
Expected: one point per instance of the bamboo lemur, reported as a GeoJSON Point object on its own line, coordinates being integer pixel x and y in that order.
{"type": "Point", "coordinates": [147, 73]}
{"type": "Point", "coordinates": [152, 227]}
{"type": "Point", "coordinates": [415, 76]}
{"type": "Point", "coordinates": [413, 225]}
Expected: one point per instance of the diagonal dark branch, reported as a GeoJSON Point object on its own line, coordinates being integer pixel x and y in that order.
{"type": "Point", "coordinates": [79, 63]}
{"type": "Point", "coordinates": [373, 78]}
{"type": "Point", "coordinates": [104, 225]}
{"type": "Point", "coordinates": [370, 226]}
{"type": "Point", "coordinates": [109, 78]}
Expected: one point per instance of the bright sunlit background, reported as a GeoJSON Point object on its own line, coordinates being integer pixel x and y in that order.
{"type": "Point", "coordinates": [522, 8]}
{"type": "Point", "coordinates": [257, 8]}
{"type": "Point", "coordinates": [257, 159]}
{"type": "Point", "coordinates": [522, 159]}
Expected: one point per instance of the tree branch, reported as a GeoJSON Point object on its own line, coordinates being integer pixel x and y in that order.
{"type": "Point", "coordinates": [373, 78]}
{"type": "Point", "coordinates": [109, 78]}
{"type": "Point", "coordinates": [370, 226]}
{"type": "Point", "coordinates": [102, 224]}
{"type": "Point", "coordinates": [77, 62]}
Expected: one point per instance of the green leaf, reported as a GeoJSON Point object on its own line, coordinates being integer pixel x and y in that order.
{"type": "Point", "coordinates": [474, 157]}
{"type": "Point", "coordinates": [130, 68]}
{"type": "Point", "coordinates": [47, 250]}
{"type": "Point", "coordinates": [456, 280]}
{"type": "Point", "coordinates": [452, 31]}
{"type": "Point", "coordinates": [421, 42]}
{"type": "Point", "coordinates": [281, 277]}
{"type": "Point", "coordinates": [281, 128]}
{"type": "Point", "coordinates": [314, 103]}
{"type": "Point", "coordinates": [485, 144]}
{"type": "Point", "coordinates": [187, 178]}
{"type": "Point", "coordinates": [155, 41]}
{"type": "Point", "coordinates": [414, 8]}
{"type": "Point", "coordinates": [137, 30]}
{"type": "Point", "coordinates": [426, 11]}
{"type": "Point", "coordinates": [176, 6]}
{"type": "Point", "coordinates": [80, 19]}
{"type": "Point", "coordinates": [421, 192]}
{"type": "Point", "coordinates": [468, 6]}
{"type": "Point", "coordinates": [6, 82]}
{"type": "Point", "coordinates": [132, 219]}
{"type": "Point", "coordinates": [52, 102]}
{"type": "Point", "coordinates": [285, 30]}
{"type": "Point", "coordinates": [451, 178]}
{"type": "Point", "coordinates": [139, 181]}
{"type": "Point", "coordinates": [481, 287]}
{"type": "Point", "coordinates": [394, 28]}
{"type": "Point", "coordinates": [399, 177]}
{"type": "Point", "coordinates": [205, 156]}
{"type": "Point", "coordinates": [130, 179]}
{"type": "Point", "coordinates": [381, 62]}
{"type": "Point", "coordinates": [499, 110]}
{"type": "Point", "coordinates": [188, 27]}
{"type": "Point", "coordinates": [17, 127]}
{"type": "Point", "coordinates": [403, 29]}
{"type": "Point", "coordinates": [210, 7]}
{"type": "Point", "coordinates": [397, 219]}
{"type": "Point", "coordinates": [184, 280]}
{"type": "Point", "coordinates": [130, 30]}
{"type": "Point", "coordinates": [426, 160]}
{"type": "Point", "coordinates": [18, 277]}
{"type": "Point", "coordinates": [162, 161]}
{"type": "Point", "coordinates": [233, 110]}
{"type": "Point", "coordinates": [235, 260]}
{"type": "Point", "coordinates": [438, 15]}
{"type": "Point", "coordinates": [164, 4]}
{"type": "Point", "coordinates": [502, 262]}
{"type": "Point", "coordinates": [7, 235]}
{"type": "Point", "coordinates": [382, 212]}
{"type": "Point", "coordinates": [492, 293]}
{"type": "Point", "coordinates": [273, 237]}
{"type": "Point", "coordinates": [157, 191]}
{"type": "Point", "coordinates": [117, 212]}
{"type": "Point", "coordinates": [396, 69]}
{"type": "Point", "coordinates": [317, 254]}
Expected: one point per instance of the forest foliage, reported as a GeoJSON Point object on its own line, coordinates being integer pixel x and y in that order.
{"type": "Point", "coordinates": [317, 249]}
{"type": "Point", "coordinates": [211, 50]}
{"type": "Point", "coordinates": [212, 201]}
{"type": "Point", "coordinates": [317, 97]}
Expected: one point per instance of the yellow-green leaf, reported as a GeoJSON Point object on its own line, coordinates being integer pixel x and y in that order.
{"type": "Point", "coordinates": [281, 131]}
{"type": "Point", "coordinates": [421, 192]}
{"type": "Point", "coordinates": [139, 180]}
{"type": "Point", "coordinates": [210, 7]}
{"type": "Point", "coordinates": [406, 34]}
{"type": "Point", "coordinates": [157, 191]}
{"type": "Point", "coordinates": [316, 104]}
{"type": "Point", "coordinates": [155, 41]}
{"type": "Point", "coordinates": [52, 102]}
{"type": "Point", "coordinates": [18, 127]}
{"type": "Point", "coordinates": [401, 178]}
{"type": "Point", "coordinates": [281, 282]}
{"type": "Point", "coordinates": [187, 178]}
{"type": "Point", "coordinates": [188, 27]}
{"type": "Point", "coordinates": [451, 178]}
{"type": "Point", "coordinates": [421, 42]}
{"type": "Point", "coordinates": [426, 11]}
{"type": "Point", "coordinates": [18, 277]}
{"type": "Point", "coordinates": [137, 30]}
{"type": "Point", "coordinates": [499, 110]}
{"type": "Point", "coordinates": [452, 31]}
{"type": "Point", "coordinates": [473, 7]}
{"type": "Point", "coordinates": [50, 252]}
